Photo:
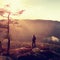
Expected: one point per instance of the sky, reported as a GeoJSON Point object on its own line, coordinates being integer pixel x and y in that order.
{"type": "Point", "coordinates": [34, 9]}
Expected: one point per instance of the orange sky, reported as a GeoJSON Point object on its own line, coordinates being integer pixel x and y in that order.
{"type": "Point", "coordinates": [34, 9]}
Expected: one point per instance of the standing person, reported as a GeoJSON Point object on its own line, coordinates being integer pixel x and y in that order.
{"type": "Point", "coordinates": [0, 47]}
{"type": "Point", "coordinates": [33, 41]}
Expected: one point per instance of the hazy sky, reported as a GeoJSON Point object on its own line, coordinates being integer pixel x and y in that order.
{"type": "Point", "coordinates": [34, 9]}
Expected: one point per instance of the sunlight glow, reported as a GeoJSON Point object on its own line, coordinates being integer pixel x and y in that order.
{"type": "Point", "coordinates": [34, 9]}
{"type": "Point", "coordinates": [14, 5]}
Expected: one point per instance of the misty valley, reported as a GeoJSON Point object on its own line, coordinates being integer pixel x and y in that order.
{"type": "Point", "coordinates": [22, 47]}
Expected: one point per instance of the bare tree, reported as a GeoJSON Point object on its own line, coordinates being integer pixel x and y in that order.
{"type": "Point", "coordinates": [2, 12]}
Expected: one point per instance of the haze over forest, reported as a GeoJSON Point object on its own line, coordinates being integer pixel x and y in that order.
{"type": "Point", "coordinates": [23, 30]}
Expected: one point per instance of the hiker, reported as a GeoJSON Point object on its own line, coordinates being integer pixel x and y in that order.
{"type": "Point", "coordinates": [0, 47]}
{"type": "Point", "coordinates": [33, 41]}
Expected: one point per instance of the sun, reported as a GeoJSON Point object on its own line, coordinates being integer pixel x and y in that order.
{"type": "Point", "coordinates": [14, 5]}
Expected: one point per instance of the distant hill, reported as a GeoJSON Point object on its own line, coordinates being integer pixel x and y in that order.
{"type": "Point", "coordinates": [22, 30]}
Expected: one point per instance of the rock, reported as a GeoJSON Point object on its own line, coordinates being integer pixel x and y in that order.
{"type": "Point", "coordinates": [36, 50]}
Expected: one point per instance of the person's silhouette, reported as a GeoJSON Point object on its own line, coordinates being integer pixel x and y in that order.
{"type": "Point", "coordinates": [0, 47]}
{"type": "Point", "coordinates": [33, 41]}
